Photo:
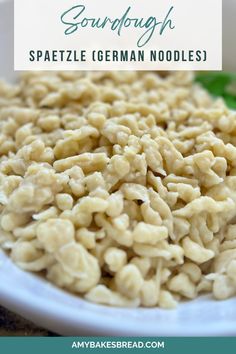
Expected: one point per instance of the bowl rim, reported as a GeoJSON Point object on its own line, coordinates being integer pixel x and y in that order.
{"type": "Point", "coordinates": [88, 318]}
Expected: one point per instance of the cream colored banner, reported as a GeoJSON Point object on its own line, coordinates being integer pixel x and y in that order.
{"type": "Point", "coordinates": [118, 35]}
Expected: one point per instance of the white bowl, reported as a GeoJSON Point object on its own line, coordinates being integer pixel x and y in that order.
{"type": "Point", "coordinates": [52, 308]}
{"type": "Point", "coordinates": [39, 301]}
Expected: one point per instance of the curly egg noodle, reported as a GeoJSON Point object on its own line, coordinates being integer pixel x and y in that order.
{"type": "Point", "coordinates": [120, 187]}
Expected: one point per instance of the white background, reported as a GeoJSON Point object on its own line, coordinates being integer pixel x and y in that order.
{"type": "Point", "coordinates": [198, 26]}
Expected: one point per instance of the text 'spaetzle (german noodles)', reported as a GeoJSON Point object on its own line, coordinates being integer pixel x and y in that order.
{"type": "Point", "coordinates": [120, 187]}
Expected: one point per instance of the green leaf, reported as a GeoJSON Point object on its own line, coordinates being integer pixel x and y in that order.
{"type": "Point", "coordinates": [221, 84]}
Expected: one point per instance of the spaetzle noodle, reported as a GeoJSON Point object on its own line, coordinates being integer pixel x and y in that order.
{"type": "Point", "coordinates": [119, 186]}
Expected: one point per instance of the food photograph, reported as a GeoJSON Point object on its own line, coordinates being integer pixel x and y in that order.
{"type": "Point", "coordinates": [117, 198]}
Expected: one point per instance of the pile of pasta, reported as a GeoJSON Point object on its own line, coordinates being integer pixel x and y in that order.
{"type": "Point", "coordinates": [119, 186]}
